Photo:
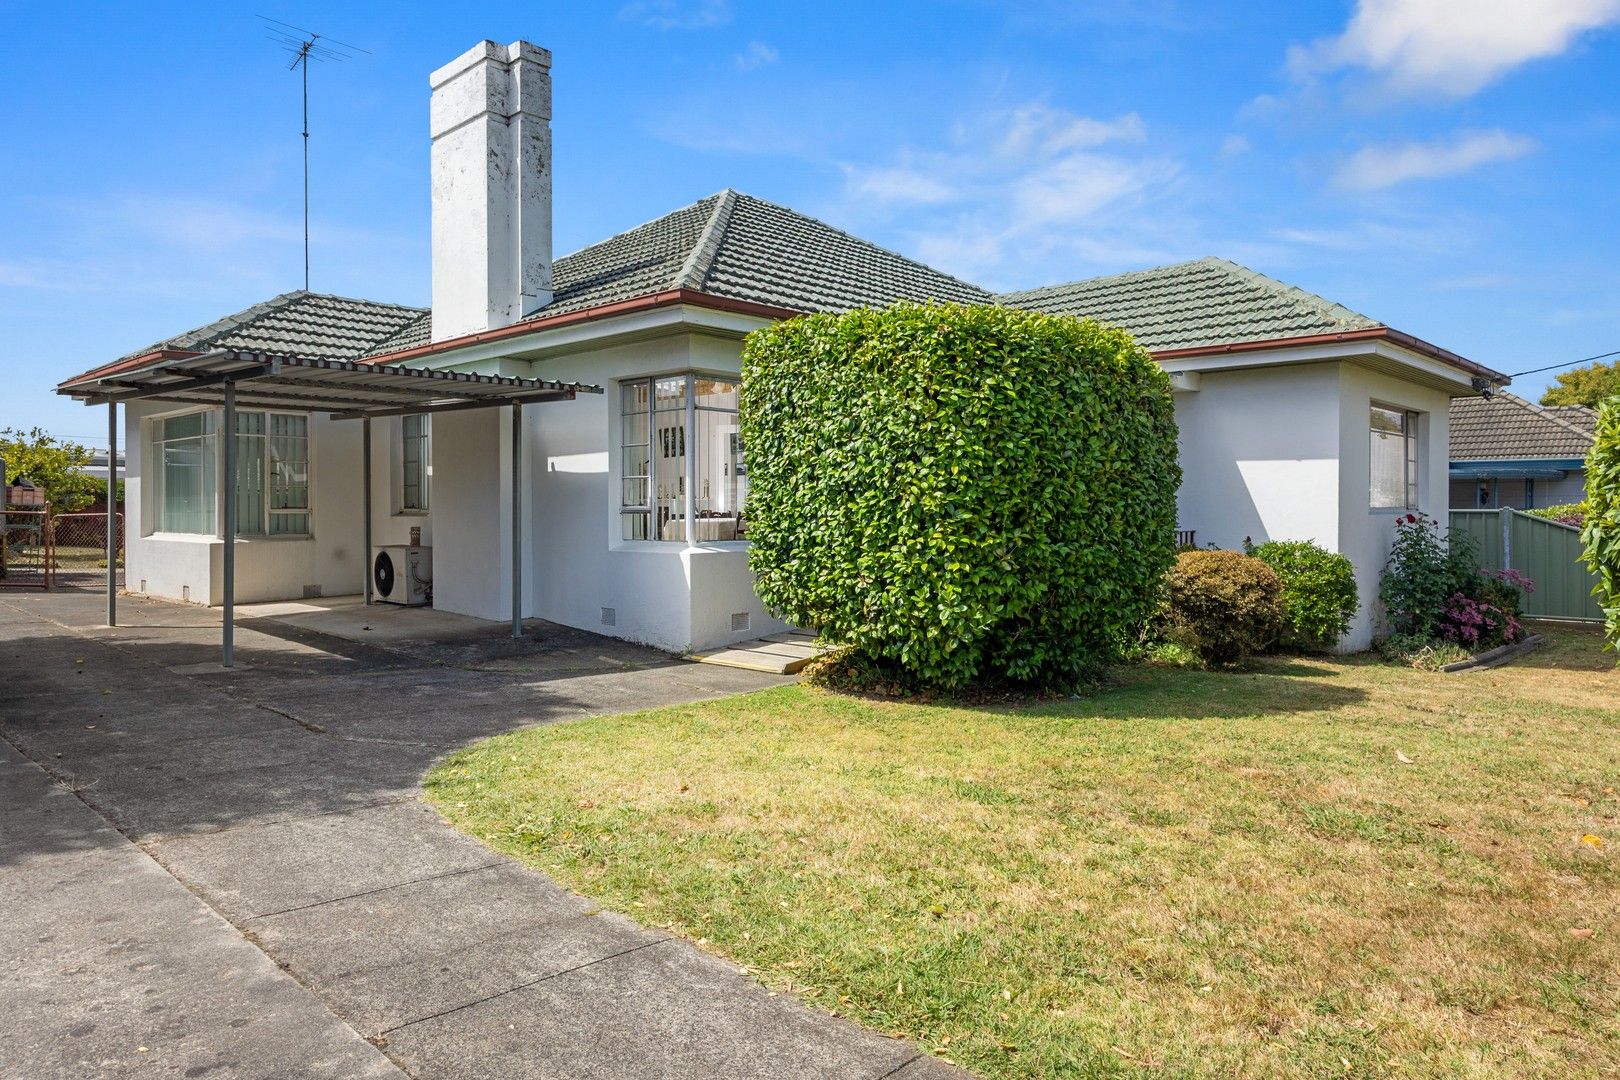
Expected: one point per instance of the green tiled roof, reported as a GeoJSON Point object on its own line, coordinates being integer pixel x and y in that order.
{"type": "Point", "coordinates": [743, 248]}
{"type": "Point", "coordinates": [739, 247]}
{"type": "Point", "coordinates": [300, 323]}
{"type": "Point", "coordinates": [1207, 302]}
{"type": "Point", "coordinates": [1506, 427]}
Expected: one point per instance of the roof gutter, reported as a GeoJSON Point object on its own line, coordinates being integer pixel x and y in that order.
{"type": "Point", "coordinates": [1377, 333]}
{"type": "Point", "coordinates": [650, 302]}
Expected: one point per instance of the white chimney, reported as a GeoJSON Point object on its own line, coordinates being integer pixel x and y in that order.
{"type": "Point", "coordinates": [491, 120]}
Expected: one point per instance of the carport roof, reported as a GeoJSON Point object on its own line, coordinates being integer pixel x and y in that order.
{"type": "Point", "coordinates": [311, 384]}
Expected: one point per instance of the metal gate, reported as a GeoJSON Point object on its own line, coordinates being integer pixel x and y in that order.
{"type": "Point", "coordinates": [25, 549]}
{"type": "Point", "coordinates": [79, 548]}
{"type": "Point", "coordinates": [1545, 551]}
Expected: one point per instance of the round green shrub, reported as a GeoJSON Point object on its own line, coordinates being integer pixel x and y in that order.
{"type": "Point", "coordinates": [973, 496]}
{"type": "Point", "coordinates": [1601, 531]}
{"type": "Point", "coordinates": [1223, 605]}
{"type": "Point", "coordinates": [1318, 593]}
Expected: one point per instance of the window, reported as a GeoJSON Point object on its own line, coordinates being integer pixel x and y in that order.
{"type": "Point", "coordinates": [680, 455]}
{"type": "Point", "coordinates": [416, 462]}
{"type": "Point", "coordinates": [272, 473]}
{"type": "Point", "coordinates": [1394, 459]}
{"type": "Point", "coordinates": [184, 458]}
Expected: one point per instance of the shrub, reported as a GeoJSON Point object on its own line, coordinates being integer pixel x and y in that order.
{"type": "Point", "coordinates": [1223, 605]}
{"type": "Point", "coordinates": [1318, 592]}
{"type": "Point", "coordinates": [969, 495]}
{"type": "Point", "coordinates": [1424, 569]}
{"type": "Point", "coordinates": [1477, 624]}
{"type": "Point", "coordinates": [1564, 513]}
{"type": "Point", "coordinates": [1601, 533]}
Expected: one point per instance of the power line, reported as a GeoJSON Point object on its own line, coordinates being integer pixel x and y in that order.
{"type": "Point", "coordinates": [1572, 363]}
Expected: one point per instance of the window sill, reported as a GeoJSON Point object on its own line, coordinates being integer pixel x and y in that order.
{"type": "Point", "coordinates": [413, 513]}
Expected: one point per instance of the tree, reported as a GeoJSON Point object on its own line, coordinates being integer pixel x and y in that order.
{"type": "Point", "coordinates": [1585, 386]}
{"type": "Point", "coordinates": [60, 468]}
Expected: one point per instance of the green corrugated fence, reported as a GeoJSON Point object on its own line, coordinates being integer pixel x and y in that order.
{"type": "Point", "coordinates": [1545, 551]}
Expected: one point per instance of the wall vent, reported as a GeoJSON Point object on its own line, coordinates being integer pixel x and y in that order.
{"type": "Point", "coordinates": [740, 621]}
{"type": "Point", "coordinates": [311, 592]}
{"type": "Point", "coordinates": [143, 584]}
{"type": "Point", "coordinates": [185, 593]}
{"type": "Point", "coordinates": [610, 616]}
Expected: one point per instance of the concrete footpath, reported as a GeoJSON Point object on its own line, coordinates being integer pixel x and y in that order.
{"type": "Point", "coordinates": [231, 874]}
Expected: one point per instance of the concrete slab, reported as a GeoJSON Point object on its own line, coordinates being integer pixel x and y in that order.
{"type": "Point", "coordinates": [399, 955]}
{"type": "Point", "coordinates": [257, 870]}
{"type": "Point", "coordinates": [113, 968]}
{"type": "Point", "coordinates": [665, 1011]}
{"type": "Point", "coordinates": [286, 795]}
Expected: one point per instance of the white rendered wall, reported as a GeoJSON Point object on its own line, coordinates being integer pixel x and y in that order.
{"type": "Point", "coordinates": [1365, 534]}
{"type": "Point", "coordinates": [181, 566]}
{"type": "Point", "coordinates": [1259, 455]}
{"type": "Point", "coordinates": [663, 594]}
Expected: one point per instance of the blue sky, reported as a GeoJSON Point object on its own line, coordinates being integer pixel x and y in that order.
{"type": "Point", "coordinates": [1450, 168]}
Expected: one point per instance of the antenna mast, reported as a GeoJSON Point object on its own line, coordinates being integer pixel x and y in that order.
{"type": "Point", "coordinates": [305, 46]}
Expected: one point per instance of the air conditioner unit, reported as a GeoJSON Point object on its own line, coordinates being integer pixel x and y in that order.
{"type": "Point", "coordinates": [402, 575]}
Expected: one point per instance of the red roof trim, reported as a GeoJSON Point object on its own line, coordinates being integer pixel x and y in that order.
{"type": "Point", "coordinates": [650, 302]}
{"type": "Point", "coordinates": [1377, 333]}
{"type": "Point", "coordinates": [129, 363]}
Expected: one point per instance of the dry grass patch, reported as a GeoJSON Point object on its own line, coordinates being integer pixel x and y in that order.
{"type": "Point", "coordinates": [1201, 874]}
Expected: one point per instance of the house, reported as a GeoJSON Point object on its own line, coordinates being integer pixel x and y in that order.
{"type": "Point", "coordinates": [1506, 451]}
{"type": "Point", "coordinates": [622, 511]}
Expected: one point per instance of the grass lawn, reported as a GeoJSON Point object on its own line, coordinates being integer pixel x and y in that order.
{"type": "Point", "coordinates": [1310, 868]}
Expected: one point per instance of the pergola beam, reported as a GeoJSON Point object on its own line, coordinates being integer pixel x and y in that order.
{"type": "Point", "coordinates": [460, 406]}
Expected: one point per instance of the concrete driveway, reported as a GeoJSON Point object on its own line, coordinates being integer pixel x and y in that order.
{"type": "Point", "coordinates": [231, 874]}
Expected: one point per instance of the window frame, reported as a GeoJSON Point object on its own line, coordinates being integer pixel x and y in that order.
{"type": "Point", "coordinates": [264, 449]}
{"type": "Point", "coordinates": [1411, 462]}
{"type": "Point", "coordinates": [425, 464]}
{"type": "Point", "coordinates": [685, 448]}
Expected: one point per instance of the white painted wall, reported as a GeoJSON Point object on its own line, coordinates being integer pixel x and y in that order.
{"type": "Point", "coordinates": [1365, 534]}
{"type": "Point", "coordinates": [1259, 455]}
{"type": "Point", "coordinates": [182, 566]}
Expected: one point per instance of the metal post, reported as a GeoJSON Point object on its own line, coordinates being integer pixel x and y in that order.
{"type": "Point", "coordinates": [227, 643]}
{"type": "Point", "coordinates": [1506, 514]}
{"type": "Point", "coordinates": [112, 513]}
{"type": "Point", "coordinates": [365, 502]}
{"type": "Point", "coordinates": [517, 519]}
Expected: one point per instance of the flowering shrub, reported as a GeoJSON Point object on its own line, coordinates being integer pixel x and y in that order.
{"type": "Point", "coordinates": [1426, 567]}
{"type": "Point", "coordinates": [1434, 590]}
{"type": "Point", "coordinates": [1478, 624]}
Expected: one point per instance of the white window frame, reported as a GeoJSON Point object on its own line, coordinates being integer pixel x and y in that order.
{"type": "Point", "coordinates": [1411, 458]}
{"type": "Point", "coordinates": [688, 495]}
{"type": "Point", "coordinates": [154, 463]}
{"type": "Point", "coordinates": [425, 485]}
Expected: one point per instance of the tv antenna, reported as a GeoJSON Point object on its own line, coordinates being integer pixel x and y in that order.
{"type": "Point", "coordinates": [306, 46]}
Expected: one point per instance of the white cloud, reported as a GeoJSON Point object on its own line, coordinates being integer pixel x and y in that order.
{"type": "Point", "coordinates": [756, 55]}
{"type": "Point", "coordinates": [1382, 166]}
{"type": "Point", "coordinates": [1234, 146]}
{"type": "Point", "coordinates": [1450, 47]}
{"type": "Point", "coordinates": [1012, 189]}
{"type": "Point", "coordinates": [677, 14]}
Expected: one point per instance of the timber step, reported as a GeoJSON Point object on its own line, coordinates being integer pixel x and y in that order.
{"type": "Point", "coordinates": [778, 654]}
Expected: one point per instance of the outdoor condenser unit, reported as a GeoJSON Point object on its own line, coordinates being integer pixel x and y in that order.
{"type": "Point", "coordinates": [402, 575]}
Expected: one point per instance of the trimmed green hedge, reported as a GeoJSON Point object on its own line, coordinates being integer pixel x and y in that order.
{"type": "Point", "coordinates": [1318, 593]}
{"type": "Point", "coordinates": [972, 495]}
{"type": "Point", "coordinates": [1222, 605]}
{"type": "Point", "coordinates": [1601, 532]}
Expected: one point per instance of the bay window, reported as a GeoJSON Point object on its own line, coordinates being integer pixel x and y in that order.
{"type": "Point", "coordinates": [1394, 459]}
{"type": "Point", "coordinates": [272, 473]}
{"type": "Point", "coordinates": [680, 458]}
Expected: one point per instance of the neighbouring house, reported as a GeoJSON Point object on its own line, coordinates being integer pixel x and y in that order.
{"type": "Point", "coordinates": [1299, 418]}
{"type": "Point", "coordinates": [1506, 451]}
